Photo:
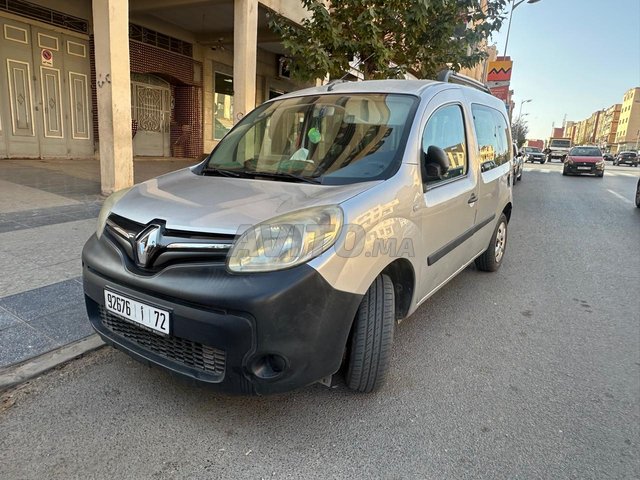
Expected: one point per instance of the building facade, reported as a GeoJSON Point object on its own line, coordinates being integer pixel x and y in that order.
{"type": "Point", "coordinates": [155, 79]}
{"type": "Point", "coordinates": [628, 132]}
{"type": "Point", "coordinates": [569, 130]}
{"type": "Point", "coordinates": [606, 137]}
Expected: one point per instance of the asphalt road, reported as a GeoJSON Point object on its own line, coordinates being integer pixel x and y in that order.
{"type": "Point", "coordinates": [533, 372]}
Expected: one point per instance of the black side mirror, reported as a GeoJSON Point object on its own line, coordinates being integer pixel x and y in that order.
{"type": "Point", "coordinates": [435, 164]}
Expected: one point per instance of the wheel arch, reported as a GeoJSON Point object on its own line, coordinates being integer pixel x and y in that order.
{"type": "Point", "coordinates": [403, 276]}
{"type": "Point", "coordinates": [507, 211]}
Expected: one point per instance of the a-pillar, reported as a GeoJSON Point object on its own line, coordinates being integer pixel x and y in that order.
{"type": "Point", "coordinates": [113, 87]}
{"type": "Point", "coordinates": [245, 49]}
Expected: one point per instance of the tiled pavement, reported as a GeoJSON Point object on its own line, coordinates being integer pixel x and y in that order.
{"type": "Point", "coordinates": [47, 211]}
{"type": "Point", "coordinates": [39, 320]}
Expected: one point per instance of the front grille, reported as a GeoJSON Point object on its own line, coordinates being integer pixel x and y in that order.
{"type": "Point", "coordinates": [185, 352]}
{"type": "Point", "coordinates": [174, 246]}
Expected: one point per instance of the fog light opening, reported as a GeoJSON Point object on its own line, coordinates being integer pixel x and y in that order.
{"type": "Point", "coordinates": [269, 367]}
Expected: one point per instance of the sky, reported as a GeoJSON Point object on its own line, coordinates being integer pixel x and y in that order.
{"type": "Point", "coordinates": [571, 57]}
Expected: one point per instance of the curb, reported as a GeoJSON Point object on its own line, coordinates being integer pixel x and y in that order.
{"type": "Point", "coordinates": [17, 374]}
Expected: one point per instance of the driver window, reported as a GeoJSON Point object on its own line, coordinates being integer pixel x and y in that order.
{"type": "Point", "coordinates": [445, 129]}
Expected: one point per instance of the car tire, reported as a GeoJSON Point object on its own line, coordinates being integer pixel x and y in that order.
{"type": "Point", "coordinates": [638, 195]}
{"type": "Point", "coordinates": [491, 259]}
{"type": "Point", "coordinates": [564, 172]}
{"type": "Point", "coordinates": [600, 175]}
{"type": "Point", "coordinates": [372, 337]}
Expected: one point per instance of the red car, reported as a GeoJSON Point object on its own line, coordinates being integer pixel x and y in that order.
{"type": "Point", "coordinates": [584, 160]}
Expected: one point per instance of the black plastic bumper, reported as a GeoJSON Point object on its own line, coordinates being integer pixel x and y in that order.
{"type": "Point", "coordinates": [292, 315]}
{"type": "Point", "coordinates": [592, 169]}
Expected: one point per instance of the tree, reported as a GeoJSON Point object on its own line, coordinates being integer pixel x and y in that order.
{"type": "Point", "coordinates": [388, 37]}
{"type": "Point", "coordinates": [519, 131]}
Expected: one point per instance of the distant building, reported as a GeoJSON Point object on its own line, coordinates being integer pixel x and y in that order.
{"type": "Point", "coordinates": [535, 144]}
{"type": "Point", "coordinates": [628, 132]}
{"type": "Point", "coordinates": [581, 132]}
{"type": "Point", "coordinates": [557, 132]}
{"type": "Point", "coordinates": [569, 130]}
{"type": "Point", "coordinates": [606, 136]}
{"type": "Point", "coordinates": [592, 127]}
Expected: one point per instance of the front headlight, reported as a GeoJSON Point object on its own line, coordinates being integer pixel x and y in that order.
{"type": "Point", "coordinates": [106, 209]}
{"type": "Point", "coordinates": [286, 241]}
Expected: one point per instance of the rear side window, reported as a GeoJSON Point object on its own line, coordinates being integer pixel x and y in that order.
{"type": "Point", "coordinates": [445, 129]}
{"type": "Point", "coordinates": [493, 136]}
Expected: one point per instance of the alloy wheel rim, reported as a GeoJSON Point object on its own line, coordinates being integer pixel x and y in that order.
{"type": "Point", "coordinates": [501, 239]}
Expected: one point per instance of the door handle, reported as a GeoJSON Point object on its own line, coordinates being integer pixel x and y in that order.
{"type": "Point", "coordinates": [472, 199]}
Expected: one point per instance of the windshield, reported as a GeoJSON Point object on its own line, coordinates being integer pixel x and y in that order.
{"type": "Point", "coordinates": [532, 150]}
{"type": "Point", "coordinates": [627, 154]}
{"type": "Point", "coordinates": [332, 139]}
{"type": "Point", "coordinates": [585, 152]}
{"type": "Point", "coordinates": [561, 143]}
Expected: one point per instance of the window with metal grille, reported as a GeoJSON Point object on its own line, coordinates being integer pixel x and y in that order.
{"type": "Point", "coordinates": [44, 14]}
{"type": "Point", "coordinates": [160, 40]}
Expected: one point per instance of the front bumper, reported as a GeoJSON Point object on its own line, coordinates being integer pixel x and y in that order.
{"type": "Point", "coordinates": [225, 326]}
{"type": "Point", "coordinates": [584, 168]}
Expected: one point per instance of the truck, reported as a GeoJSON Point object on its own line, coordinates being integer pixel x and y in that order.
{"type": "Point", "coordinates": [557, 148]}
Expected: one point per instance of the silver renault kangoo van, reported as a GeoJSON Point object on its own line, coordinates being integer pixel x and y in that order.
{"type": "Point", "coordinates": [291, 252]}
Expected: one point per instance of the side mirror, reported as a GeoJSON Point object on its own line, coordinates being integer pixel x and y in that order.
{"type": "Point", "coordinates": [435, 164]}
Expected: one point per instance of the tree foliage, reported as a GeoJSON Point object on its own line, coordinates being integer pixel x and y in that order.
{"type": "Point", "coordinates": [519, 131]}
{"type": "Point", "coordinates": [389, 37]}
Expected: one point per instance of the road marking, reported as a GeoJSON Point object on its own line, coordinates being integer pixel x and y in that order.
{"type": "Point", "coordinates": [616, 194]}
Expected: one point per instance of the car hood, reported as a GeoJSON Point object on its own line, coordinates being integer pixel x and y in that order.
{"type": "Point", "coordinates": [586, 159]}
{"type": "Point", "coordinates": [191, 202]}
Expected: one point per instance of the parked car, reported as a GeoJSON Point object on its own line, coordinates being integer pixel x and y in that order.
{"type": "Point", "coordinates": [320, 220]}
{"type": "Point", "coordinates": [584, 159]}
{"type": "Point", "coordinates": [518, 164]}
{"type": "Point", "coordinates": [627, 158]}
{"type": "Point", "coordinates": [534, 154]}
{"type": "Point", "coordinates": [608, 156]}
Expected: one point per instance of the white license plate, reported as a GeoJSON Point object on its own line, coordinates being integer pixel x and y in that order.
{"type": "Point", "coordinates": [138, 312]}
{"type": "Point", "coordinates": [584, 168]}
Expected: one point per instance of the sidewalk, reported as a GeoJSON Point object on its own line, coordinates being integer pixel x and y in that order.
{"type": "Point", "coordinates": [48, 209]}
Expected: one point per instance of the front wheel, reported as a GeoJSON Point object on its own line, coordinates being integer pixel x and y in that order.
{"type": "Point", "coordinates": [492, 257]}
{"type": "Point", "coordinates": [372, 337]}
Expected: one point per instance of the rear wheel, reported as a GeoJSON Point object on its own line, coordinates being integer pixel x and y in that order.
{"type": "Point", "coordinates": [372, 337]}
{"type": "Point", "coordinates": [492, 257]}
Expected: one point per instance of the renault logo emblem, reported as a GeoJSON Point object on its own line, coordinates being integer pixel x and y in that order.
{"type": "Point", "coordinates": [147, 243]}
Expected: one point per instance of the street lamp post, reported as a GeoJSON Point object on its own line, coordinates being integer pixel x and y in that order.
{"type": "Point", "coordinates": [514, 5]}
{"type": "Point", "coordinates": [522, 103]}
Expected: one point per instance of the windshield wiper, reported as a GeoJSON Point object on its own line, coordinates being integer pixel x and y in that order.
{"type": "Point", "coordinates": [288, 176]}
{"type": "Point", "coordinates": [223, 172]}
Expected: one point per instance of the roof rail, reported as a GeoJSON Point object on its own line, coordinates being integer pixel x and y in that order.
{"type": "Point", "coordinates": [449, 76]}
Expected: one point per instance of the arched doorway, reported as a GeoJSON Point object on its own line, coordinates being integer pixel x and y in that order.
{"type": "Point", "coordinates": [151, 115]}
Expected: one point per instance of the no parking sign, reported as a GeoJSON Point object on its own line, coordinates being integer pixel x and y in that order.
{"type": "Point", "coordinates": [46, 57]}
